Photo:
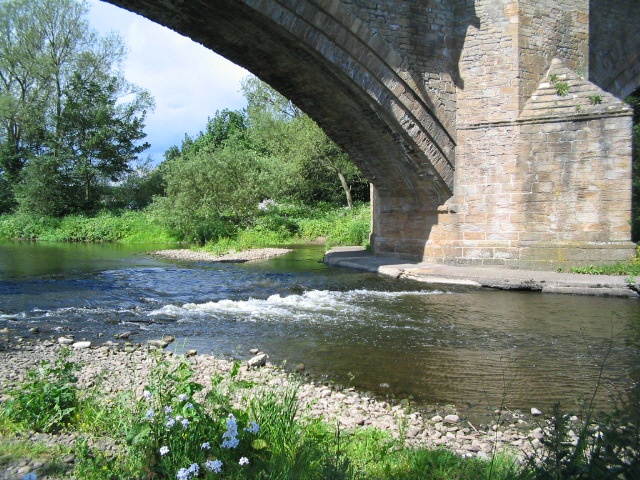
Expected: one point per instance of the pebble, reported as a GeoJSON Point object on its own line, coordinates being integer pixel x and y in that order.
{"type": "Point", "coordinates": [130, 364]}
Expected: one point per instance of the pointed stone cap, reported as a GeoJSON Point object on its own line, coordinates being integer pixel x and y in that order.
{"type": "Point", "coordinates": [564, 93]}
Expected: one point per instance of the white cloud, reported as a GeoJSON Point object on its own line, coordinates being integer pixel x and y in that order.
{"type": "Point", "coordinates": [189, 82]}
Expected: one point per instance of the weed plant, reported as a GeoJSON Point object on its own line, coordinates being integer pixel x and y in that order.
{"type": "Point", "coordinates": [279, 225]}
{"type": "Point", "coordinates": [126, 227]}
{"type": "Point", "coordinates": [178, 429]}
{"type": "Point", "coordinates": [46, 401]}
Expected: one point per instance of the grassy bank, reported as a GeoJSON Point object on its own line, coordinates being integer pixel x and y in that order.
{"type": "Point", "coordinates": [277, 225]}
{"type": "Point", "coordinates": [286, 224]}
{"type": "Point", "coordinates": [126, 227]}
{"type": "Point", "coordinates": [237, 430]}
{"type": "Point", "coordinates": [234, 428]}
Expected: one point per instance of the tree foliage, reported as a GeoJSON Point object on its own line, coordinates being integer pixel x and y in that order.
{"type": "Point", "coordinates": [272, 150]}
{"type": "Point", "coordinates": [209, 192]}
{"type": "Point", "coordinates": [60, 106]}
{"type": "Point", "coordinates": [304, 164]}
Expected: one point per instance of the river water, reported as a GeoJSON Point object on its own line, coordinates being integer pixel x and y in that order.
{"type": "Point", "coordinates": [477, 349]}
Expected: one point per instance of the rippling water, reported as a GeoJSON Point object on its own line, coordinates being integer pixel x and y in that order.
{"type": "Point", "coordinates": [476, 349]}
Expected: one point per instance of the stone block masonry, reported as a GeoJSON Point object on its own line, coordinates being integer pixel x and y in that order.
{"type": "Point", "coordinates": [493, 132]}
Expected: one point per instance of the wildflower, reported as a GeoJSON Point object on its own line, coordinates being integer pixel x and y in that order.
{"type": "Point", "coordinates": [214, 466]}
{"type": "Point", "coordinates": [149, 414]}
{"type": "Point", "coordinates": [185, 423]}
{"type": "Point", "coordinates": [168, 409]}
{"type": "Point", "coordinates": [230, 443]}
{"type": "Point", "coordinates": [253, 427]}
{"type": "Point", "coordinates": [182, 397]}
{"type": "Point", "coordinates": [243, 461]}
{"type": "Point", "coordinates": [171, 422]}
{"type": "Point", "coordinates": [194, 468]}
{"type": "Point", "coordinates": [206, 446]}
{"type": "Point", "coordinates": [164, 450]}
{"type": "Point", "coordinates": [183, 474]}
{"type": "Point", "coordinates": [189, 405]}
{"type": "Point", "coordinates": [30, 476]}
{"type": "Point", "coordinates": [146, 395]}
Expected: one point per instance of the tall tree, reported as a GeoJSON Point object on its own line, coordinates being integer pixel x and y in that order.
{"type": "Point", "coordinates": [97, 137]}
{"type": "Point", "coordinates": [304, 162]}
{"type": "Point", "coordinates": [43, 45]}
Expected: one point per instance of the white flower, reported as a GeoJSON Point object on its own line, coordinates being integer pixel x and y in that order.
{"type": "Point", "coordinates": [182, 397]}
{"type": "Point", "coordinates": [146, 395]}
{"type": "Point", "coordinates": [214, 466]}
{"type": "Point", "coordinates": [149, 414]}
{"type": "Point", "coordinates": [243, 461]}
{"type": "Point", "coordinates": [168, 409]}
{"type": "Point", "coordinates": [206, 446]}
{"type": "Point", "coordinates": [164, 450]}
{"type": "Point", "coordinates": [185, 423]}
{"type": "Point", "coordinates": [171, 422]}
{"type": "Point", "coordinates": [194, 468]}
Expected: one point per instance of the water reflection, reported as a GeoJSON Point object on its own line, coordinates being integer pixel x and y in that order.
{"type": "Point", "coordinates": [476, 349]}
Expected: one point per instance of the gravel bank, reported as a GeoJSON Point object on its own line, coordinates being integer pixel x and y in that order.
{"type": "Point", "coordinates": [113, 367]}
{"type": "Point", "coordinates": [185, 254]}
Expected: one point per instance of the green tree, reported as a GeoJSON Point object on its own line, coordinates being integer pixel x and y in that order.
{"type": "Point", "coordinates": [303, 162]}
{"type": "Point", "coordinates": [43, 45]}
{"type": "Point", "coordinates": [208, 192]}
{"type": "Point", "coordinates": [98, 138]}
{"type": "Point", "coordinates": [136, 189]}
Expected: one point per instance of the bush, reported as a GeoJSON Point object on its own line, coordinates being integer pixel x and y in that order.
{"type": "Point", "coordinates": [48, 398]}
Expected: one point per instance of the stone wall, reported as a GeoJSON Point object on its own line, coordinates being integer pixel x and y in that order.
{"type": "Point", "coordinates": [614, 46]}
{"type": "Point", "coordinates": [552, 29]}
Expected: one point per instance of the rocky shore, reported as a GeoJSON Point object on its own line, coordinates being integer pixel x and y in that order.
{"type": "Point", "coordinates": [117, 366]}
{"type": "Point", "coordinates": [185, 254]}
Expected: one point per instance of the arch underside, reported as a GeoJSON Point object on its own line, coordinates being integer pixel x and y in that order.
{"type": "Point", "coordinates": [614, 46]}
{"type": "Point", "coordinates": [331, 66]}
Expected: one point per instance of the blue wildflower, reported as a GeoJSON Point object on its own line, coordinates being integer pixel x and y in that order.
{"type": "Point", "coordinates": [214, 466]}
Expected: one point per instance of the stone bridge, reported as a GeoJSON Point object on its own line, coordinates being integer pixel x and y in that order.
{"type": "Point", "coordinates": [492, 131]}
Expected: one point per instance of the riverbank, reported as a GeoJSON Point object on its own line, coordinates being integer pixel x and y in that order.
{"type": "Point", "coordinates": [115, 367]}
{"type": "Point", "coordinates": [483, 277]}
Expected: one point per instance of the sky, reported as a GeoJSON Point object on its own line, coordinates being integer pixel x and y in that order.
{"type": "Point", "coordinates": [188, 82]}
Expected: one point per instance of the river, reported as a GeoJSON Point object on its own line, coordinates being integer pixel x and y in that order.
{"type": "Point", "coordinates": [476, 349]}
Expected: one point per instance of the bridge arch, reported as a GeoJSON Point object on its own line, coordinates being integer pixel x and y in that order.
{"type": "Point", "coordinates": [426, 97]}
{"type": "Point", "coordinates": [614, 46]}
{"type": "Point", "coordinates": [346, 77]}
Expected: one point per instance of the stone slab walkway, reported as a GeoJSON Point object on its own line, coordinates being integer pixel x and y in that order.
{"type": "Point", "coordinates": [484, 277]}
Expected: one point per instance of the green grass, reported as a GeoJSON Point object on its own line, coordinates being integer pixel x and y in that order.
{"type": "Point", "coordinates": [631, 268]}
{"type": "Point", "coordinates": [288, 224]}
{"type": "Point", "coordinates": [278, 226]}
{"type": "Point", "coordinates": [255, 431]}
{"type": "Point", "coordinates": [261, 432]}
{"type": "Point", "coordinates": [125, 227]}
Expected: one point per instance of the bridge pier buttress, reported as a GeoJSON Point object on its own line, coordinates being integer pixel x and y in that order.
{"type": "Point", "coordinates": [489, 131]}
{"type": "Point", "coordinates": [543, 155]}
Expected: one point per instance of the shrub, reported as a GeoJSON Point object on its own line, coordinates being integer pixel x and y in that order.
{"type": "Point", "coordinates": [48, 398]}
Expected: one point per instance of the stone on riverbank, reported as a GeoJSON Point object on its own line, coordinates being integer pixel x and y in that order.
{"type": "Point", "coordinates": [118, 368]}
{"type": "Point", "coordinates": [185, 254]}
